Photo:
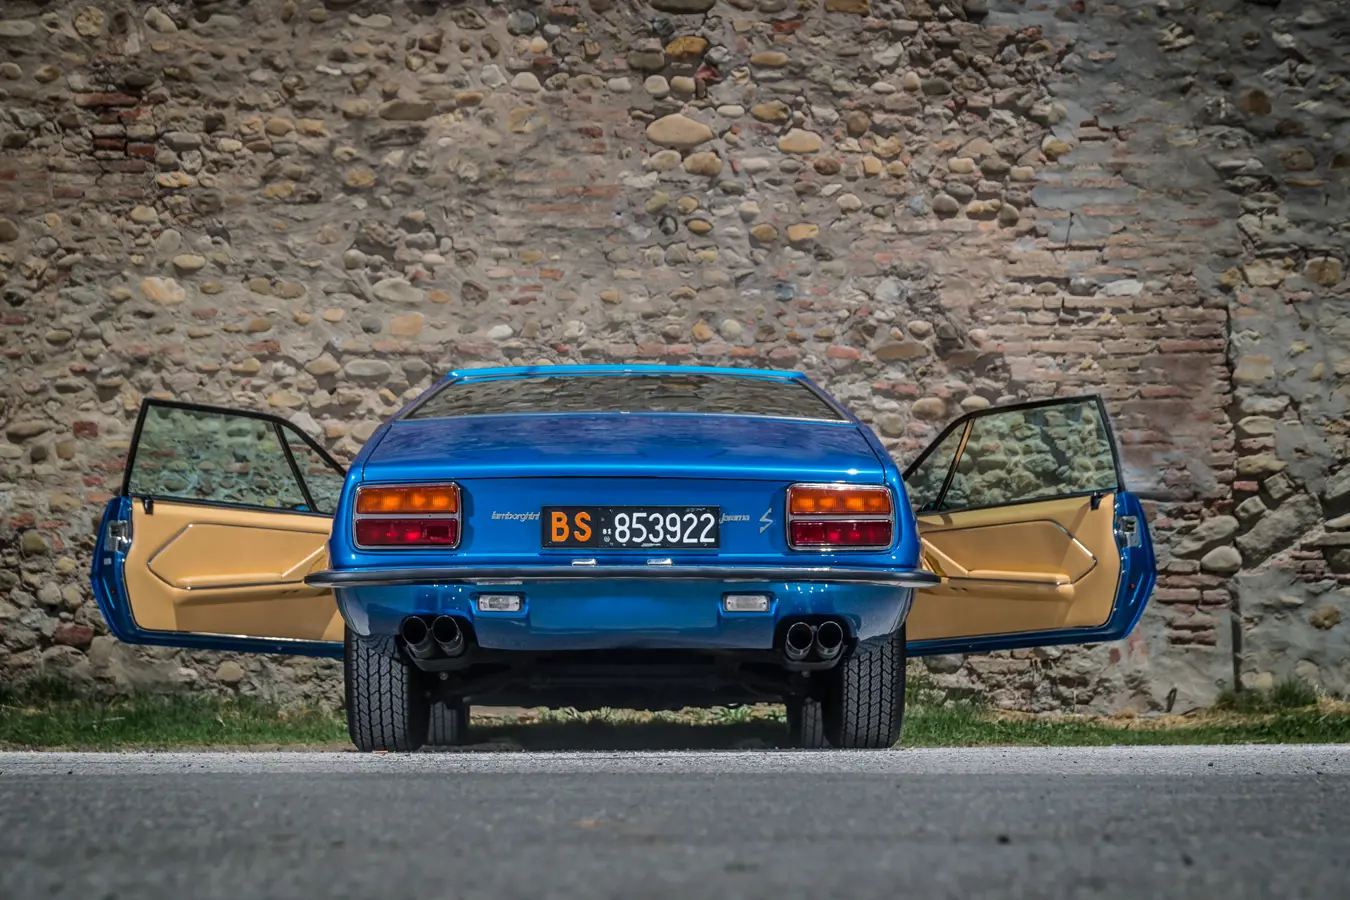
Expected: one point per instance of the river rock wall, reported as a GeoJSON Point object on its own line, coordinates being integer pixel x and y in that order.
{"type": "Point", "coordinates": [931, 206]}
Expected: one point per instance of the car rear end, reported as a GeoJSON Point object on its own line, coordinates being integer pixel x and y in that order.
{"type": "Point", "coordinates": [518, 528]}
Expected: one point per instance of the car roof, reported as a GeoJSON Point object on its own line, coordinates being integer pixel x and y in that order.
{"type": "Point", "coordinates": [780, 375]}
{"type": "Point", "coordinates": [618, 369]}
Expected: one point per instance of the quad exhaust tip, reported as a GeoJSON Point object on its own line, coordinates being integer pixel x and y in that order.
{"type": "Point", "coordinates": [448, 635]}
{"type": "Point", "coordinates": [829, 640]}
{"type": "Point", "coordinates": [798, 641]}
{"type": "Point", "coordinates": [442, 636]}
{"type": "Point", "coordinates": [417, 635]}
{"type": "Point", "coordinates": [824, 641]}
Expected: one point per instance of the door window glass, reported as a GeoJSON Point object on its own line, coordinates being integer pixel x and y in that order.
{"type": "Point", "coordinates": [324, 482]}
{"type": "Point", "coordinates": [924, 482]}
{"type": "Point", "coordinates": [202, 455]}
{"type": "Point", "coordinates": [1026, 454]}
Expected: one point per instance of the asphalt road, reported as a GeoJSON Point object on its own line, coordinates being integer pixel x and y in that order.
{"type": "Point", "coordinates": [1228, 823]}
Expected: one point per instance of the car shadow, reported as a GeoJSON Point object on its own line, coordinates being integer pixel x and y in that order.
{"type": "Point", "coordinates": [583, 734]}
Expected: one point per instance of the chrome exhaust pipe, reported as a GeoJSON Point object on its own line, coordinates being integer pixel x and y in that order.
{"type": "Point", "coordinates": [829, 640]}
{"type": "Point", "coordinates": [798, 641]}
{"type": "Point", "coordinates": [447, 634]}
{"type": "Point", "coordinates": [417, 636]}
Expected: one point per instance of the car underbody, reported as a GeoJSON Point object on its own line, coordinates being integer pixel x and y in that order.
{"type": "Point", "coordinates": [456, 670]}
{"type": "Point", "coordinates": [637, 679]}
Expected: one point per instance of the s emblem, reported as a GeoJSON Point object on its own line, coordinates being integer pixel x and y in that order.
{"type": "Point", "coordinates": [766, 520]}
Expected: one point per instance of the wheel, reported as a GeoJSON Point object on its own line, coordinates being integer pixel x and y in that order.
{"type": "Point", "coordinates": [864, 701]}
{"type": "Point", "coordinates": [449, 725]}
{"type": "Point", "coordinates": [806, 724]}
{"type": "Point", "coordinates": [387, 708]}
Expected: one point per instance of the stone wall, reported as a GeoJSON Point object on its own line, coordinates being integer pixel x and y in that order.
{"type": "Point", "coordinates": [928, 205]}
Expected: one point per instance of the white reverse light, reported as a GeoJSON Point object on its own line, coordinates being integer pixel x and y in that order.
{"type": "Point", "coordinates": [748, 603]}
{"type": "Point", "coordinates": [499, 603]}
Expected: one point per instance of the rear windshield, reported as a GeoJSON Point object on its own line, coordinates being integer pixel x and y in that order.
{"type": "Point", "coordinates": [723, 394]}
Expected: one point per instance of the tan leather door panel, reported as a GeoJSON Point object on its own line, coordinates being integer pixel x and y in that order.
{"type": "Point", "coordinates": [216, 570]}
{"type": "Point", "coordinates": [1026, 567]}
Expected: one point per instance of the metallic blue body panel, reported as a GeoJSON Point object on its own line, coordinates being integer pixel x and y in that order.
{"type": "Point", "coordinates": [1138, 574]}
{"type": "Point", "coordinates": [111, 595]}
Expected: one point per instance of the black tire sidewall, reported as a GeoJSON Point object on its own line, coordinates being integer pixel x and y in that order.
{"type": "Point", "coordinates": [387, 704]}
{"type": "Point", "coordinates": [864, 700]}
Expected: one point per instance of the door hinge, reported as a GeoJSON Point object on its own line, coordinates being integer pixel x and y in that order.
{"type": "Point", "coordinates": [1127, 531]}
{"type": "Point", "coordinates": [119, 536]}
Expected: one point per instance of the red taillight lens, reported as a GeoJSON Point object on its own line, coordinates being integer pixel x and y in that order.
{"type": "Point", "coordinates": [841, 533]}
{"type": "Point", "coordinates": [406, 532]}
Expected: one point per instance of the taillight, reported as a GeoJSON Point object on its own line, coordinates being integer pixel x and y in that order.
{"type": "Point", "coordinates": [837, 516]}
{"type": "Point", "coordinates": [422, 515]}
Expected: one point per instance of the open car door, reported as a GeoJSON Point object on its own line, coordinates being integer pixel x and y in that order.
{"type": "Point", "coordinates": [1023, 513]}
{"type": "Point", "coordinates": [221, 515]}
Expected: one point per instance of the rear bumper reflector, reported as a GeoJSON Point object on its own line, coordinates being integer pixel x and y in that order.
{"type": "Point", "coordinates": [499, 603]}
{"type": "Point", "coordinates": [387, 577]}
{"type": "Point", "coordinates": [746, 603]}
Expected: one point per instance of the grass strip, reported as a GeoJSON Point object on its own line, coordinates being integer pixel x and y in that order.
{"type": "Point", "coordinates": [45, 716]}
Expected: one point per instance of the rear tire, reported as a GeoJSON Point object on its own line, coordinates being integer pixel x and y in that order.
{"type": "Point", "coordinates": [864, 704]}
{"type": "Point", "coordinates": [449, 725]}
{"type": "Point", "coordinates": [806, 724]}
{"type": "Point", "coordinates": [387, 707]}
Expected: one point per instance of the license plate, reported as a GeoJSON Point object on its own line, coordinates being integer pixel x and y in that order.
{"type": "Point", "coordinates": [632, 527]}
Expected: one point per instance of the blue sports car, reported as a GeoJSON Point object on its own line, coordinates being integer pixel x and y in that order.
{"type": "Point", "coordinates": [650, 537]}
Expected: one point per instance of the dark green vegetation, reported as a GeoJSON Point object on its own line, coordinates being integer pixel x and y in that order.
{"type": "Point", "coordinates": [53, 716]}
{"type": "Point", "coordinates": [45, 715]}
{"type": "Point", "coordinates": [1292, 713]}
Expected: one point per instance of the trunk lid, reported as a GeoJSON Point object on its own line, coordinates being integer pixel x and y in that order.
{"type": "Point", "coordinates": [511, 467]}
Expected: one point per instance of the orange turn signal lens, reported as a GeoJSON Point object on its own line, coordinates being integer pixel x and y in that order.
{"type": "Point", "coordinates": [430, 499]}
{"type": "Point", "coordinates": [844, 500]}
